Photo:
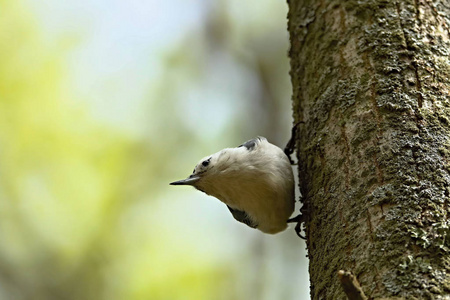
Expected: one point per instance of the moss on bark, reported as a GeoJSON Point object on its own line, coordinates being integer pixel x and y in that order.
{"type": "Point", "coordinates": [371, 81]}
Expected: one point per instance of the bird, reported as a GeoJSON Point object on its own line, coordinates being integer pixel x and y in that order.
{"type": "Point", "coordinates": [254, 180]}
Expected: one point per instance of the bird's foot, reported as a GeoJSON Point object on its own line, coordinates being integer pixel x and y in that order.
{"type": "Point", "coordinates": [290, 146]}
{"type": "Point", "coordinates": [298, 228]}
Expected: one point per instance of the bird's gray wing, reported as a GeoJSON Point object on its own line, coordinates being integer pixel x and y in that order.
{"type": "Point", "coordinates": [242, 217]}
{"type": "Point", "coordinates": [251, 144]}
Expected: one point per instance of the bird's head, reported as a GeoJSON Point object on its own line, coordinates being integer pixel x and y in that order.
{"type": "Point", "coordinates": [211, 171]}
{"type": "Point", "coordinates": [200, 171]}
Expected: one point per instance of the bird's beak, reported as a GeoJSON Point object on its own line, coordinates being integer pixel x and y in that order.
{"type": "Point", "coordinates": [191, 180]}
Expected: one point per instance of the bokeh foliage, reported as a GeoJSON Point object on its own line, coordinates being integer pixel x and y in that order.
{"type": "Point", "coordinates": [66, 180]}
{"type": "Point", "coordinates": [85, 210]}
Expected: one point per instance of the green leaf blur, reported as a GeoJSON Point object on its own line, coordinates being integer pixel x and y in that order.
{"type": "Point", "coordinates": [86, 156]}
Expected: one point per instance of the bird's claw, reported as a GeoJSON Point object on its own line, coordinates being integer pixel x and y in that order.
{"type": "Point", "coordinates": [298, 228]}
{"type": "Point", "coordinates": [290, 146]}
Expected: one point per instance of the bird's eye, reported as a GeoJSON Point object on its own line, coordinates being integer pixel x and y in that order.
{"type": "Point", "coordinates": [205, 163]}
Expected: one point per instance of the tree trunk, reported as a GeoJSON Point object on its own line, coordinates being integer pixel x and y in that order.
{"type": "Point", "coordinates": [371, 82]}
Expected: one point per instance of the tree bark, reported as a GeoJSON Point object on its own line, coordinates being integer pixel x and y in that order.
{"type": "Point", "coordinates": [371, 82]}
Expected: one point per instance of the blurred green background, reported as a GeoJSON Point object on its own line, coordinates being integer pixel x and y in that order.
{"type": "Point", "coordinates": [102, 104]}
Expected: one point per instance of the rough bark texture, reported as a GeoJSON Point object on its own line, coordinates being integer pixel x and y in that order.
{"type": "Point", "coordinates": [371, 81]}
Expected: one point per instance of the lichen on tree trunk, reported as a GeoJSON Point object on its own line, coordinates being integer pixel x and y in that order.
{"type": "Point", "coordinates": [371, 82]}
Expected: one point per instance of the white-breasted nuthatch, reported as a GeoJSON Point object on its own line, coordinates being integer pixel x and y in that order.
{"type": "Point", "coordinates": [254, 180]}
